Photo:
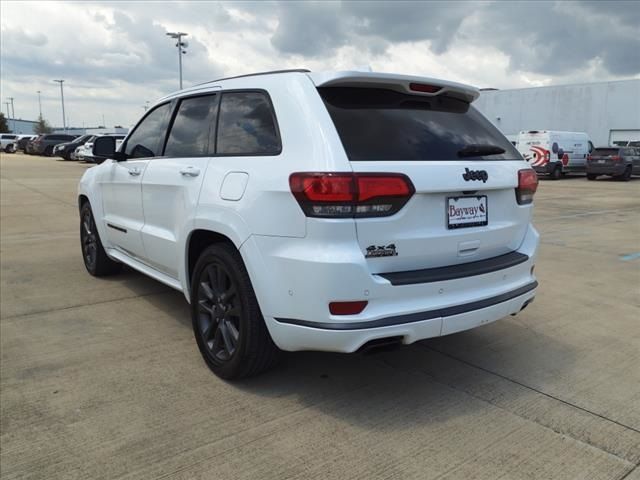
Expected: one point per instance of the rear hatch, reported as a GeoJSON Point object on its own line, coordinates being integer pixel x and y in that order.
{"type": "Point", "coordinates": [605, 156]}
{"type": "Point", "coordinates": [534, 148]}
{"type": "Point", "coordinates": [463, 169]}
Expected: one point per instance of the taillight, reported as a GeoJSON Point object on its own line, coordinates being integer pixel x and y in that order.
{"type": "Point", "coordinates": [421, 87]}
{"type": "Point", "coordinates": [547, 156]}
{"type": "Point", "coordinates": [527, 186]}
{"type": "Point", "coordinates": [344, 195]}
{"type": "Point", "coordinates": [616, 158]}
{"type": "Point", "coordinates": [347, 308]}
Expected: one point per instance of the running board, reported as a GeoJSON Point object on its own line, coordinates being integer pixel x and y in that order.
{"type": "Point", "coordinates": [144, 268]}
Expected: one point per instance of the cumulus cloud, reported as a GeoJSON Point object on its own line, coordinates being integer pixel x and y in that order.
{"type": "Point", "coordinates": [116, 56]}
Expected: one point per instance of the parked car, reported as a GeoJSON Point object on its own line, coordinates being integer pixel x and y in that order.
{"type": "Point", "coordinates": [30, 143]}
{"type": "Point", "coordinates": [87, 152]}
{"type": "Point", "coordinates": [617, 162]}
{"type": "Point", "coordinates": [8, 142]}
{"type": "Point", "coordinates": [67, 150]}
{"type": "Point", "coordinates": [317, 211]}
{"type": "Point", "coordinates": [23, 140]}
{"type": "Point", "coordinates": [43, 145]}
{"type": "Point", "coordinates": [555, 153]}
{"type": "Point", "coordinates": [84, 151]}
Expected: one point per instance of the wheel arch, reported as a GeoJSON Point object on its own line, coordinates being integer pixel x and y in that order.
{"type": "Point", "coordinates": [198, 240]}
{"type": "Point", "coordinates": [82, 199]}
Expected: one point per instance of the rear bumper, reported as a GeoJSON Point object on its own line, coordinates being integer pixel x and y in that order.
{"type": "Point", "coordinates": [292, 335]}
{"type": "Point", "coordinates": [543, 169]}
{"type": "Point", "coordinates": [606, 169]}
{"type": "Point", "coordinates": [296, 279]}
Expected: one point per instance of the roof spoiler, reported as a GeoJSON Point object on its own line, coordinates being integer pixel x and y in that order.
{"type": "Point", "coordinates": [408, 84]}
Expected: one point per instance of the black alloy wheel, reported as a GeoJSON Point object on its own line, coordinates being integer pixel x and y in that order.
{"type": "Point", "coordinates": [219, 311]}
{"type": "Point", "coordinates": [89, 240]}
{"type": "Point", "coordinates": [227, 322]}
{"type": "Point", "coordinates": [96, 260]}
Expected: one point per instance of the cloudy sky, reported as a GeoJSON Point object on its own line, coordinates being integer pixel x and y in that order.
{"type": "Point", "coordinates": [115, 56]}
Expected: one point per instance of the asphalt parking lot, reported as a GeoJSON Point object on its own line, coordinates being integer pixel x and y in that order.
{"type": "Point", "coordinates": [102, 378]}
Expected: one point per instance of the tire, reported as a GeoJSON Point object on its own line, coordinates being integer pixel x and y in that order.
{"type": "Point", "coordinates": [556, 174]}
{"type": "Point", "coordinates": [626, 176]}
{"type": "Point", "coordinates": [95, 258]}
{"type": "Point", "coordinates": [48, 151]}
{"type": "Point", "coordinates": [591, 176]}
{"type": "Point", "coordinates": [227, 323]}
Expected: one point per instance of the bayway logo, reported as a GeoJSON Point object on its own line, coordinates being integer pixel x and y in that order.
{"type": "Point", "coordinates": [466, 211]}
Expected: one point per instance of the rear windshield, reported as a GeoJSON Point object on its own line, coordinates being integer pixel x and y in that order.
{"type": "Point", "coordinates": [380, 124]}
{"type": "Point", "coordinates": [604, 152]}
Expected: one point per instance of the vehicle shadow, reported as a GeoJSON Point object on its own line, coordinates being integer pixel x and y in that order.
{"type": "Point", "coordinates": [431, 381]}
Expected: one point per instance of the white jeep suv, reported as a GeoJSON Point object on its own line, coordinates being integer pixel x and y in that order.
{"type": "Point", "coordinates": [317, 211]}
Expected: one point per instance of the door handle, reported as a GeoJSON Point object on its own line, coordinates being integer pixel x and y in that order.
{"type": "Point", "coordinates": [134, 172]}
{"type": "Point", "coordinates": [190, 172]}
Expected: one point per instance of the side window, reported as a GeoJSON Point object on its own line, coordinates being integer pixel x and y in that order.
{"type": "Point", "coordinates": [246, 125]}
{"type": "Point", "coordinates": [146, 140]}
{"type": "Point", "coordinates": [189, 136]}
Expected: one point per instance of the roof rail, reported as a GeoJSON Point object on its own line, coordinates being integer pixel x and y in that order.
{"type": "Point", "coordinates": [294, 70]}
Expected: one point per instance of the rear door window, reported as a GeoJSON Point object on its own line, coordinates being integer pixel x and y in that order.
{"type": "Point", "coordinates": [381, 124]}
{"type": "Point", "coordinates": [247, 125]}
{"type": "Point", "coordinates": [147, 139]}
{"type": "Point", "coordinates": [605, 152]}
{"type": "Point", "coordinates": [190, 135]}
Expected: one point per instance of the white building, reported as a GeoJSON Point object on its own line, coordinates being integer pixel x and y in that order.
{"type": "Point", "coordinates": [607, 111]}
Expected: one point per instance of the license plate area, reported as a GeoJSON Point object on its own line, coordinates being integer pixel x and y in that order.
{"type": "Point", "coordinates": [467, 211]}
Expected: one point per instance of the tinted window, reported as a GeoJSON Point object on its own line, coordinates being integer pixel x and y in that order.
{"type": "Point", "coordinates": [81, 139]}
{"type": "Point", "coordinates": [247, 125]}
{"type": "Point", "coordinates": [9, 137]}
{"type": "Point", "coordinates": [378, 124]}
{"type": "Point", "coordinates": [59, 137]}
{"type": "Point", "coordinates": [146, 140]}
{"type": "Point", "coordinates": [603, 152]}
{"type": "Point", "coordinates": [189, 135]}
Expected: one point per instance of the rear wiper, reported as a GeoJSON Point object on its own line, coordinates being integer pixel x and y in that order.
{"type": "Point", "coordinates": [478, 150]}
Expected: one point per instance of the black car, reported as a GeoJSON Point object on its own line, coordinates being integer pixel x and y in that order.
{"type": "Point", "coordinates": [617, 162]}
{"type": "Point", "coordinates": [67, 149]}
{"type": "Point", "coordinates": [43, 145]}
{"type": "Point", "coordinates": [22, 143]}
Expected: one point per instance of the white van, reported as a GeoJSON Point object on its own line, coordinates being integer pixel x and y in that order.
{"type": "Point", "coordinates": [555, 153]}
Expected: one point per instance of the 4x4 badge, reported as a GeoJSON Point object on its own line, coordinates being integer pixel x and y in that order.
{"type": "Point", "coordinates": [475, 175]}
{"type": "Point", "coordinates": [381, 251]}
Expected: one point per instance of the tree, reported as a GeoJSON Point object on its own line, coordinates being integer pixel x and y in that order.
{"type": "Point", "coordinates": [42, 126]}
{"type": "Point", "coordinates": [4, 128]}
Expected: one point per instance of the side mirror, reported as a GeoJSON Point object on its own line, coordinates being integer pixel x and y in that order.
{"type": "Point", "coordinates": [104, 147]}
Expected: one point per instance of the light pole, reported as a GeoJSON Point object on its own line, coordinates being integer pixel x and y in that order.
{"type": "Point", "coordinates": [64, 121]}
{"type": "Point", "coordinates": [39, 104]}
{"type": "Point", "coordinates": [13, 112]}
{"type": "Point", "coordinates": [8, 114]}
{"type": "Point", "coordinates": [180, 44]}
